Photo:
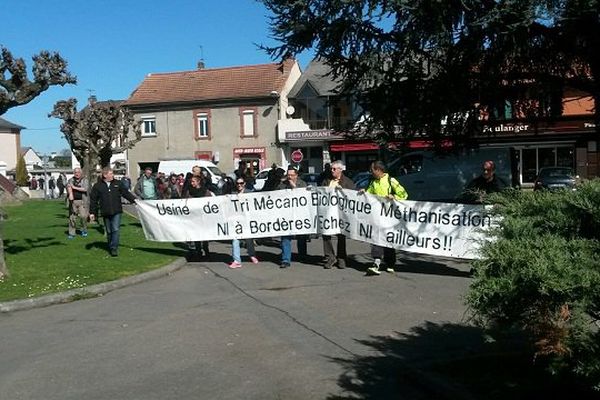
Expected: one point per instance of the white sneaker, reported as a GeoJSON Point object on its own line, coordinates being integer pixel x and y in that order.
{"type": "Point", "coordinates": [390, 270]}
{"type": "Point", "coordinates": [373, 271]}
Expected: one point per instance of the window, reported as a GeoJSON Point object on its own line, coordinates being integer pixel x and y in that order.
{"type": "Point", "coordinates": [248, 123]}
{"type": "Point", "coordinates": [533, 159]}
{"type": "Point", "coordinates": [202, 119]}
{"type": "Point", "coordinates": [202, 124]}
{"type": "Point", "coordinates": [149, 126]}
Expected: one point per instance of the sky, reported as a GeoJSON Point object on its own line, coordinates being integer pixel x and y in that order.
{"type": "Point", "coordinates": [111, 45]}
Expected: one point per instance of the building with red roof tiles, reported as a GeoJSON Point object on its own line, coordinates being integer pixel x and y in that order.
{"type": "Point", "coordinates": [219, 114]}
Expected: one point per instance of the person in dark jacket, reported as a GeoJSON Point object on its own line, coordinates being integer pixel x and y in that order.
{"type": "Point", "coordinates": [198, 188]}
{"type": "Point", "coordinates": [108, 193]}
{"type": "Point", "coordinates": [486, 183]}
{"type": "Point", "coordinates": [337, 180]}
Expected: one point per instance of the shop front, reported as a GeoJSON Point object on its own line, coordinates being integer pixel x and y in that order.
{"type": "Point", "coordinates": [314, 146]}
{"type": "Point", "coordinates": [566, 143]}
{"type": "Point", "coordinates": [255, 157]}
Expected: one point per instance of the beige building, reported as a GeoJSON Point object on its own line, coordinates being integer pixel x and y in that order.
{"type": "Point", "coordinates": [223, 114]}
{"type": "Point", "coordinates": [10, 143]}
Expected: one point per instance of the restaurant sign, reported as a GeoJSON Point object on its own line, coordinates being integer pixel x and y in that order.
{"type": "Point", "coordinates": [322, 134]}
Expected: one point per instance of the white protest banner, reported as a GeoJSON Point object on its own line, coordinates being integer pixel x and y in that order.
{"type": "Point", "coordinates": [447, 229]}
{"type": "Point", "coordinates": [452, 230]}
{"type": "Point", "coordinates": [252, 215]}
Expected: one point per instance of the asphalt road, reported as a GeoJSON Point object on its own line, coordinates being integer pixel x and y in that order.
{"type": "Point", "coordinates": [259, 332]}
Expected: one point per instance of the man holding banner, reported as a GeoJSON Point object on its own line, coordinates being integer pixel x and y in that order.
{"type": "Point", "coordinates": [292, 182]}
{"type": "Point", "coordinates": [385, 186]}
{"type": "Point", "coordinates": [339, 181]}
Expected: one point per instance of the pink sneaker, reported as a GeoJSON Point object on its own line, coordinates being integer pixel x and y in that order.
{"type": "Point", "coordinates": [235, 264]}
{"type": "Point", "coordinates": [254, 260]}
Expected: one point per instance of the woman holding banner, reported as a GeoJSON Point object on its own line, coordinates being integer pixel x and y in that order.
{"type": "Point", "coordinates": [240, 188]}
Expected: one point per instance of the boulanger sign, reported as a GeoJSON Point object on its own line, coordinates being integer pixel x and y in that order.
{"type": "Point", "coordinates": [453, 230]}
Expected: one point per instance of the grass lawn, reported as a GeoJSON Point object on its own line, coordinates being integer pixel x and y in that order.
{"type": "Point", "coordinates": [42, 260]}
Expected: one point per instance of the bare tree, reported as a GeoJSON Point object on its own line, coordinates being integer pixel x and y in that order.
{"type": "Point", "coordinates": [49, 69]}
{"type": "Point", "coordinates": [98, 131]}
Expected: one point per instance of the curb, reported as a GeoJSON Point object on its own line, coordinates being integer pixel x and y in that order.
{"type": "Point", "coordinates": [90, 291]}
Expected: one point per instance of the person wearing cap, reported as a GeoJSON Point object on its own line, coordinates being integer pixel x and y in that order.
{"type": "Point", "coordinates": [146, 187]}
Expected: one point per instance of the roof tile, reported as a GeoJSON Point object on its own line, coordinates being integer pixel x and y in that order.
{"type": "Point", "coordinates": [212, 84]}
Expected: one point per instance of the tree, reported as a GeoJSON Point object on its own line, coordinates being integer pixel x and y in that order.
{"type": "Point", "coordinates": [97, 131]}
{"type": "Point", "coordinates": [436, 67]}
{"type": "Point", "coordinates": [49, 69]}
{"type": "Point", "coordinates": [21, 172]}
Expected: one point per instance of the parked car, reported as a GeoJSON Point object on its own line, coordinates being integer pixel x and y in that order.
{"type": "Point", "coordinates": [261, 178]}
{"type": "Point", "coordinates": [362, 179]}
{"type": "Point", "coordinates": [555, 178]}
{"type": "Point", "coordinates": [185, 166]}
{"type": "Point", "coordinates": [311, 179]}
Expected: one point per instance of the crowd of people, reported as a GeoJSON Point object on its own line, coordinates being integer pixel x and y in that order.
{"type": "Point", "coordinates": [107, 194]}
{"type": "Point", "coordinates": [106, 197]}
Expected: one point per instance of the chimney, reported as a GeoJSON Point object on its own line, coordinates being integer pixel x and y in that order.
{"type": "Point", "coordinates": [201, 64]}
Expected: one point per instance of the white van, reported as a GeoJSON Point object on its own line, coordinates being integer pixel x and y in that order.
{"type": "Point", "coordinates": [185, 166]}
{"type": "Point", "coordinates": [427, 176]}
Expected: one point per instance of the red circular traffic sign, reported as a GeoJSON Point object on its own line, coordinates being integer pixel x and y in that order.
{"type": "Point", "coordinates": [297, 156]}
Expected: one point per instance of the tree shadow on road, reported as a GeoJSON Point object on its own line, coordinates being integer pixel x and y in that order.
{"type": "Point", "coordinates": [410, 264]}
{"type": "Point", "coordinates": [429, 267]}
{"type": "Point", "coordinates": [450, 361]}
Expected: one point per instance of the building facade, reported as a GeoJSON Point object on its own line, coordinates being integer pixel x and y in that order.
{"type": "Point", "coordinates": [10, 144]}
{"type": "Point", "coordinates": [316, 116]}
{"type": "Point", "coordinates": [223, 115]}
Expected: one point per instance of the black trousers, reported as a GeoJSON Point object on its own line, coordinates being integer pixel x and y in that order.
{"type": "Point", "coordinates": [388, 254]}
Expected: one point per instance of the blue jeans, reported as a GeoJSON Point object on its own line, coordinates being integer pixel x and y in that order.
{"type": "Point", "coordinates": [235, 249]}
{"type": "Point", "coordinates": [112, 224]}
{"type": "Point", "coordinates": [286, 248]}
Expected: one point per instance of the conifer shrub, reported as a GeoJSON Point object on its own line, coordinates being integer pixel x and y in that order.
{"type": "Point", "coordinates": [21, 172]}
{"type": "Point", "coordinates": [541, 276]}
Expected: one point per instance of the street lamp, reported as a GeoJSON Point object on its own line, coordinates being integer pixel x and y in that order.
{"type": "Point", "coordinates": [45, 165]}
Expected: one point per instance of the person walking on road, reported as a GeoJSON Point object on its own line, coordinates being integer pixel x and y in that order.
{"type": "Point", "coordinates": [51, 187]}
{"type": "Point", "coordinates": [106, 195]}
{"type": "Point", "coordinates": [77, 193]}
{"type": "Point", "coordinates": [240, 188]}
{"type": "Point", "coordinates": [339, 181]}
{"type": "Point", "coordinates": [385, 186]}
{"type": "Point", "coordinates": [196, 189]}
{"type": "Point", "coordinates": [292, 182]}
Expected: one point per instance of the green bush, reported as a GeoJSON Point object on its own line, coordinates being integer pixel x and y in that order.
{"type": "Point", "coordinates": [542, 276]}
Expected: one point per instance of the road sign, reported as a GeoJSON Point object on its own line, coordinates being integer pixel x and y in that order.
{"type": "Point", "coordinates": [297, 156]}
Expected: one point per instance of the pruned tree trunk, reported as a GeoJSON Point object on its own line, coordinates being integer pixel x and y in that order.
{"type": "Point", "coordinates": [96, 132]}
{"type": "Point", "coordinates": [3, 268]}
{"type": "Point", "coordinates": [16, 89]}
